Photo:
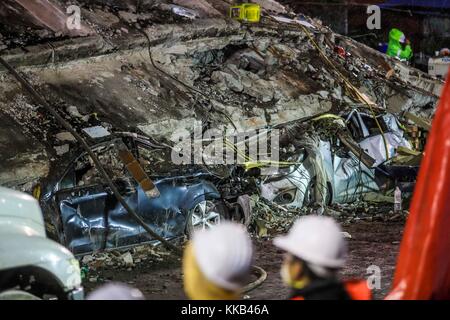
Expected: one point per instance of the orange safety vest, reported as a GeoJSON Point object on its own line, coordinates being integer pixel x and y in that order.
{"type": "Point", "coordinates": [356, 289]}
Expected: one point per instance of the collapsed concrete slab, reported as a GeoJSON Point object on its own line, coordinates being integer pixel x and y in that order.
{"type": "Point", "coordinates": [141, 74]}
{"type": "Point", "coordinates": [44, 14]}
{"type": "Point", "coordinates": [23, 159]}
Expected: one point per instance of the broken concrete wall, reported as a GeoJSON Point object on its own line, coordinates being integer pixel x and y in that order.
{"type": "Point", "coordinates": [414, 78]}
{"type": "Point", "coordinates": [23, 159]}
{"type": "Point", "coordinates": [154, 77]}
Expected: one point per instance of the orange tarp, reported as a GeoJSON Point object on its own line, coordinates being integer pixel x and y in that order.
{"type": "Point", "coordinates": [423, 267]}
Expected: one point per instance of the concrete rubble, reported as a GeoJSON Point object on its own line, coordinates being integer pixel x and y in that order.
{"type": "Point", "coordinates": [93, 265]}
{"type": "Point", "coordinates": [153, 69]}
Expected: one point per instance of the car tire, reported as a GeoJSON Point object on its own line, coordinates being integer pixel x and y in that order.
{"type": "Point", "coordinates": [205, 215]}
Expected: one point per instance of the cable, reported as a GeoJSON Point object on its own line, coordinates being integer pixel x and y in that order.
{"type": "Point", "coordinates": [253, 285]}
{"type": "Point", "coordinates": [352, 89]}
{"type": "Point", "coordinates": [181, 82]}
{"type": "Point", "coordinates": [40, 100]}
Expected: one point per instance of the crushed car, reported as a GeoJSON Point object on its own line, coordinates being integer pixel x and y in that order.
{"type": "Point", "coordinates": [365, 131]}
{"type": "Point", "coordinates": [86, 217]}
{"type": "Point", "coordinates": [328, 159]}
{"type": "Point", "coordinates": [337, 168]}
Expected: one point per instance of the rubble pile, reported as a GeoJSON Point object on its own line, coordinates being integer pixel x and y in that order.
{"type": "Point", "coordinates": [124, 258]}
{"type": "Point", "coordinates": [352, 123]}
{"type": "Point", "coordinates": [269, 220]}
{"type": "Point", "coordinates": [92, 265]}
{"type": "Point", "coordinates": [364, 211]}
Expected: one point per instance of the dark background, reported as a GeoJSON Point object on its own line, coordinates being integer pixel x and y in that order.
{"type": "Point", "coordinates": [425, 23]}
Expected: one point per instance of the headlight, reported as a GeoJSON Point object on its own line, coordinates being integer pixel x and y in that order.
{"type": "Point", "coordinates": [75, 264]}
{"type": "Point", "coordinates": [73, 279]}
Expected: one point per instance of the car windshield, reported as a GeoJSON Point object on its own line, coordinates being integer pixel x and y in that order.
{"type": "Point", "coordinates": [362, 126]}
{"type": "Point", "coordinates": [82, 171]}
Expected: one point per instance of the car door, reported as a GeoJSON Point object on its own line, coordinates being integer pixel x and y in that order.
{"type": "Point", "coordinates": [83, 211]}
{"type": "Point", "coordinates": [163, 214]}
{"type": "Point", "coordinates": [345, 179]}
{"type": "Point", "coordinates": [92, 218]}
{"type": "Point", "coordinates": [352, 178]}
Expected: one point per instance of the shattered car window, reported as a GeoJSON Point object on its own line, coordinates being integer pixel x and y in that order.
{"type": "Point", "coordinates": [363, 125]}
{"type": "Point", "coordinates": [154, 160]}
{"type": "Point", "coordinates": [87, 174]}
{"type": "Point", "coordinates": [372, 126]}
{"type": "Point", "coordinates": [83, 172]}
{"type": "Point", "coordinates": [68, 181]}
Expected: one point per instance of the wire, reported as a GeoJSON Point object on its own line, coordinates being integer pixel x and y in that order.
{"type": "Point", "coordinates": [192, 89]}
{"type": "Point", "coordinates": [352, 89]}
{"type": "Point", "coordinates": [262, 277]}
{"type": "Point", "coordinates": [39, 99]}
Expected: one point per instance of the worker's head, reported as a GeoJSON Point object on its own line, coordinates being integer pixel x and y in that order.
{"type": "Point", "coordinates": [216, 263]}
{"type": "Point", "coordinates": [315, 249]}
{"type": "Point", "coordinates": [397, 35]}
{"type": "Point", "coordinates": [116, 291]}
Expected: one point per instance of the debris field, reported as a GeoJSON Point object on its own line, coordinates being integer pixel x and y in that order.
{"type": "Point", "coordinates": [138, 77]}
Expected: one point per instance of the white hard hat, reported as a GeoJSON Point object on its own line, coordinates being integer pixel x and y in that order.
{"type": "Point", "coordinates": [317, 240]}
{"type": "Point", "coordinates": [116, 291]}
{"type": "Point", "coordinates": [224, 254]}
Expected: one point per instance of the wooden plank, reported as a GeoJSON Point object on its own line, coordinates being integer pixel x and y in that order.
{"type": "Point", "coordinates": [137, 172]}
{"type": "Point", "coordinates": [407, 151]}
{"type": "Point", "coordinates": [360, 153]}
{"type": "Point", "coordinates": [419, 121]}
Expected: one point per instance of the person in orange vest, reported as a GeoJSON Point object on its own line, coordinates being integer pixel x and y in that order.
{"type": "Point", "coordinates": [315, 252]}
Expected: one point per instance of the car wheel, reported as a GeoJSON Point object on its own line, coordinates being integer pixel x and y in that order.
{"type": "Point", "coordinates": [205, 215]}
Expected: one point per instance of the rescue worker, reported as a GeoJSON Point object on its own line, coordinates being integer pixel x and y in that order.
{"type": "Point", "coordinates": [216, 263]}
{"type": "Point", "coordinates": [395, 46]}
{"type": "Point", "coordinates": [315, 252]}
